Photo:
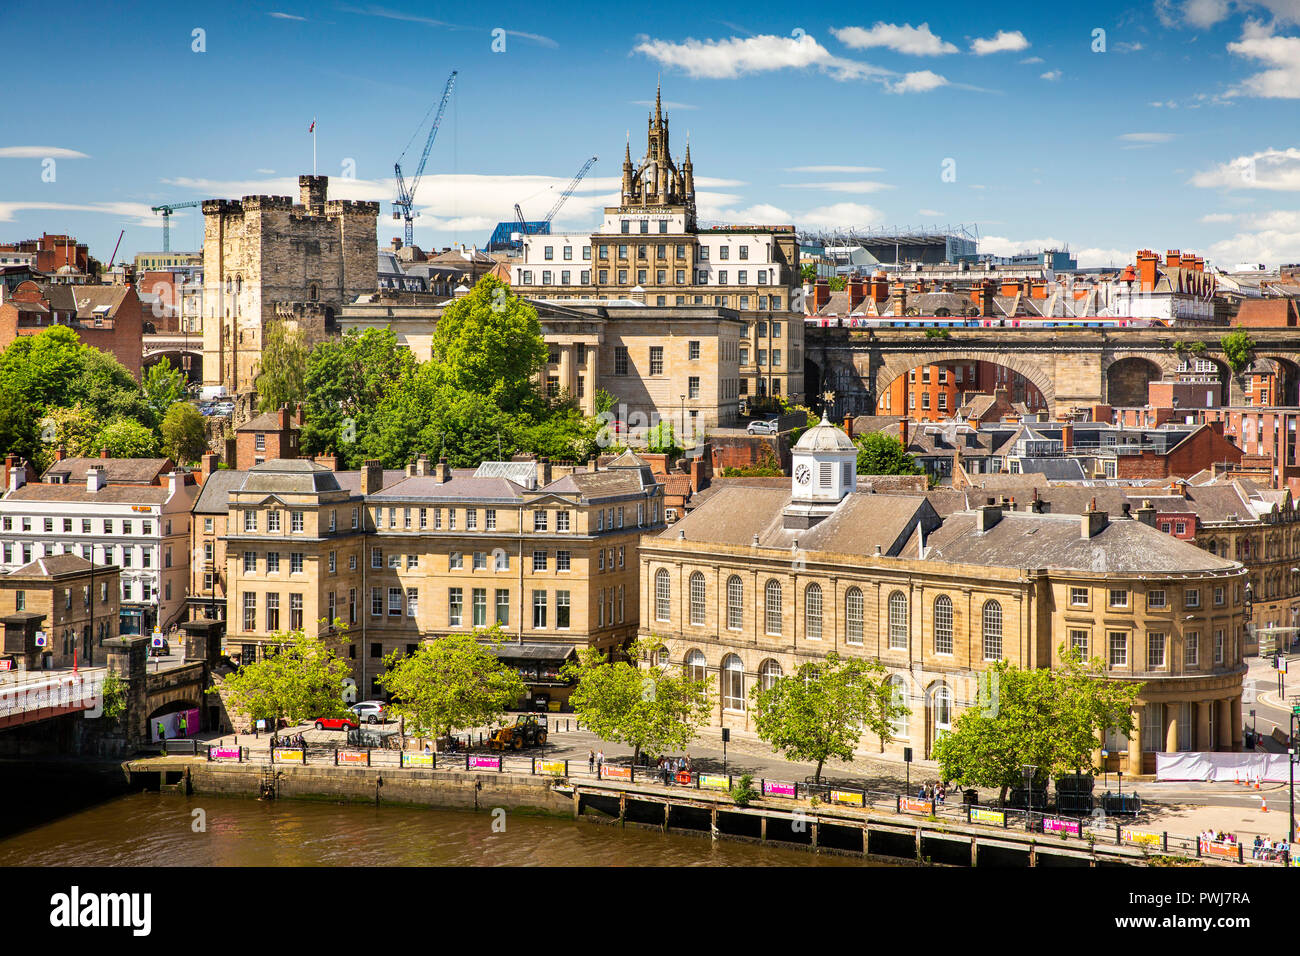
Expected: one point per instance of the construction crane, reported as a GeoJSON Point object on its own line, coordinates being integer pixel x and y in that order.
{"type": "Point", "coordinates": [167, 218]}
{"type": "Point", "coordinates": [545, 224]}
{"type": "Point", "coordinates": [404, 204]}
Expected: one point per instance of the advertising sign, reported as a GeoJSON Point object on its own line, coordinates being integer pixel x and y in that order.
{"type": "Point", "coordinates": [995, 817]}
{"type": "Point", "coordinates": [417, 760]}
{"type": "Point", "coordinates": [844, 796]}
{"type": "Point", "coordinates": [286, 755]}
{"type": "Point", "coordinates": [1052, 825]}
{"type": "Point", "coordinates": [1141, 836]}
{"type": "Point", "coordinates": [224, 753]}
{"type": "Point", "coordinates": [353, 756]}
{"type": "Point", "coordinates": [771, 789]}
{"type": "Point", "coordinates": [484, 763]}
{"type": "Point", "coordinates": [615, 773]}
{"type": "Point", "coordinates": [1211, 848]}
{"type": "Point", "coordinates": [914, 805]}
{"type": "Point", "coordinates": [714, 781]}
{"type": "Point", "coordinates": [551, 766]}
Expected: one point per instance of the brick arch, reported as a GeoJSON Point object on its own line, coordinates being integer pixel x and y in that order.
{"type": "Point", "coordinates": [1165, 364]}
{"type": "Point", "coordinates": [898, 364]}
{"type": "Point", "coordinates": [1288, 373]}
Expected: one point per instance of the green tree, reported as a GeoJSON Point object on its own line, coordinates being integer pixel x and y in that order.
{"type": "Point", "coordinates": [452, 682]}
{"type": "Point", "coordinates": [808, 272]}
{"type": "Point", "coordinates": [106, 388]}
{"type": "Point", "coordinates": [564, 434]}
{"type": "Point", "coordinates": [72, 428]}
{"type": "Point", "coordinates": [661, 439]}
{"type": "Point", "coordinates": [163, 386]}
{"type": "Point", "coordinates": [112, 695]}
{"type": "Point", "coordinates": [184, 433]}
{"type": "Point", "coordinates": [490, 342]}
{"type": "Point", "coordinates": [347, 380]}
{"type": "Point", "coordinates": [300, 679]}
{"type": "Point", "coordinates": [281, 368]}
{"type": "Point", "coordinates": [1239, 349]}
{"type": "Point", "coordinates": [822, 710]}
{"type": "Point", "coordinates": [1052, 719]}
{"type": "Point", "coordinates": [128, 439]}
{"type": "Point", "coordinates": [653, 708]}
{"type": "Point", "coordinates": [837, 283]}
{"type": "Point", "coordinates": [881, 454]}
{"type": "Point", "coordinates": [424, 417]}
{"type": "Point", "coordinates": [43, 367]}
{"type": "Point", "coordinates": [19, 432]}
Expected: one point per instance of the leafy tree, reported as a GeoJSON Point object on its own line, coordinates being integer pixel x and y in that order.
{"type": "Point", "coordinates": [565, 434]}
{"type": "Point", "coordinates": [43, 367]}
{"type": "Point", "coordinates": [73, 428]}
{"type": "Point", "coordinates": [452, 682]}
{"type": "Point", "coordinates": [300, 679]}
{"type": "Point", "coordinates": [112, 695]}
{"type": "Point", "coordinates": [19, 432]}
{"type": "Point", "coordinates": [1052, 719]}
{"type": "Point", "coordinates": [837, 283]}
{"type": "Point", "coordinates": [808, 272]}
{"type": "Point", "coordinates": [822, 710]}
{"type": "Point", "coordinates": [604, 402]}
{"type": "Point", "coordinates": [281, 368]}
{"type": "Point", "coordinates": [490, 342]}
{"type": "Point", "coordinates": [881, 454]}
{"type": "Point", "coordinates": [427, 418]}
{"type": "Point", "coordinates": [106, 388]}
{"type": "Point", "coordinates": [128, 439]}
{"type": "Point", "coordinates": [346, 381]}
{"type": "Point", "coordinates": [661, 439]}
{"type": "Point", "coordinates": [163, 386]}
{"type": "Point", "coordinates": [1239, 349]}
{"type": "Point", "coordinates": [653, 708]}
{"type": "Point", "coordinates": [184, 433]}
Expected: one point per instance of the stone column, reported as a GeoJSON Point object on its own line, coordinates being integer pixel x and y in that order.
{"type": "Point", "coordinates": [1203, 742]}
{"type": "Point", "coordinates": [1224, 720]}
{"type": "Point", "coordinates": [1135, 741]}
{"type": "Point", "coordinates": [1234, 707]}
{"type": "Point", "coordinates": [567, 383]}
{"type": "Point", "coordinates": [1171, 728]}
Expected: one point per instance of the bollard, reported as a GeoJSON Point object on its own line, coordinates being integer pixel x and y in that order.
{"type": "Point", "coordinates": [1164, 841]}
{"type": "Point", "coordinates": [466, 761]}
{"type": "Point", "coordinates": [534, 770]}
{"type": "Point", "coordinates": [336, 755]}
{"type": "Point", "coordinates": [209, 753]}
{"type": "Point", "coordinates": [566, 767]}
{"type": "Point", "coordinates": [1118, 839]}
{"type": "Point", "coordinates": [898, 803]}
{"type": "Point", "coordinates": [367, 756]}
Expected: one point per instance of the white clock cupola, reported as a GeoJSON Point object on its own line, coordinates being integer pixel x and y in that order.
{"type": "Point", "coordinates": [824, 470]}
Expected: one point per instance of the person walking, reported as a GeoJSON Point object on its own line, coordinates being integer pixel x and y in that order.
{"type": "Point", "coordinates": [600, 761]}
{"type": "Point", "coordinates": [184, 726]}
{"type": "Point", "coordinates": [591, 761]}
{"type": "Point", "coordinates": [162, 731]}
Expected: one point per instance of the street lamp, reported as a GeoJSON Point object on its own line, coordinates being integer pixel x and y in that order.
{"type": "Point", "coordinates": [1028, 771]}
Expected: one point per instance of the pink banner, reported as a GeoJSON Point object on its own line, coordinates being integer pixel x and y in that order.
{"type": "Point", "coordinates": [615, 773]}
{"type": "Point", "coordinates": [224, 753]}
{"type": "Point", "coordinates": [1061, 826]}
{"type": "Point", "coordinates": [485, 763]}
{"type": "Point", "coordinates": [771, 789]}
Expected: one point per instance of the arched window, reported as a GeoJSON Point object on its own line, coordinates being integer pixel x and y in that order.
{"type": "Point", "coordinates": [663, 598]}
{"type": "Point", "coordinates": [769, 673]}
{"type": "Point", "coordinates": [898, 694]}
{"type": "Point", "coordinates": [695, 667]}
{"type": "Point", "coordinates": [941, 703]}
{"type": "Point", "coordinates": [992, 631]}
{"type": "Point", "coordinates": [697, 598]}
{"type": "Point", "coordinates": [735, 603]}
{"type": "Point", "coordinates": [897, 621]}
{"type": "Point", "coordinates": [853, 616]}
{"type": "Point", "coordinates": [943, 624]}
{"type": "Point", "coordinates": [772, 606]}
{"type": "Point", "coordinates": [812, 612]}
{"type": "Point", "coordinates": [733, 683]}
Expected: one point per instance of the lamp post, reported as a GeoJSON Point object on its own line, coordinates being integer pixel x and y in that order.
{"type": "Point", "coordinates": [1290, 759]}
{"type": "Point", "coordinates": [1028, 771]}
{"type": "Point", "coordinates": [683, 400]}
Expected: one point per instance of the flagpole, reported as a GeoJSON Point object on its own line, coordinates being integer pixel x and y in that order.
{"type": "Point", "coordinates": [313, 147]}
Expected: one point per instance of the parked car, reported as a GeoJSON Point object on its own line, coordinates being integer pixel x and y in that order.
{"type": "Point", "coordinates": [337, 723]}
{"type": "Point", "coordinates": [371, 711]}
{"type": "Point", "coordinates": [767, 427]}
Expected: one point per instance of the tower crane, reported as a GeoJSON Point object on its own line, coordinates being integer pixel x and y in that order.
{"type": "Point", "coordinates": [545, 226]}
{"type": "Point", "coordinates": [403, 205]}
{"type": "Point", "coordinates": [167, 217]}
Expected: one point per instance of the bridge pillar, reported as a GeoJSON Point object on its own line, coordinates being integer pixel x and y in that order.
{"type": "Point", "coordinates": [203, 643]}
{"type": "Point", "coordinates": [128, 658]}
{"type": "Point", "coordinates": [20, 639]}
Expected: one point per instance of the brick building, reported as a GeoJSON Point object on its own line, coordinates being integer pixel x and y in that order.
{"type": "Point", "coordinates": [269, 436]}
{"type": "Point", "coordinates": [79, 601]}
{"type": "Point", "coordinates": [106, 317]}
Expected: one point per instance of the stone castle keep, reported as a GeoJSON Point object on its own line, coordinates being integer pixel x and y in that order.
{"type": "Point", "coordinates": [267, 258]}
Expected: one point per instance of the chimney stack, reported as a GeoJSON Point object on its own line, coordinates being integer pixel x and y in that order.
{"type": "Point", "coordinates": [857, 292]}
{"type": "Point", "coordinates": [17, 472]}
{"type": "Point", "coordinates": [372, 476]}
{"type": "Point", "coordinates": [208, 466]}
{"type": "Point", "coordinates": [95, 478]}
{"type": "Point", "coordinates": [987, 515]}
{"type": "Point", "coordinates": [103, 452]}
{"type": "Point", "coordinates": [543, 472]}
{"type": "Point", "coordinates": [442, 472]}
{"type": "Point", "coordinates": [1092, 522]}
{"type": "Point", "coordinates": [422, 465]}
{"type": "Point", "coordinates": [284, 418]}
{"type": "Point", "coordinates": [1147, 514]}
{"type": "Point", "coordinates": [592, 464]}
{"type": "Point", "coordinates": [61, 452]}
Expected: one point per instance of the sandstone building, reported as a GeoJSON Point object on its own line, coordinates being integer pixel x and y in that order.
{"type": "Point", "coordinates": [266, 258]}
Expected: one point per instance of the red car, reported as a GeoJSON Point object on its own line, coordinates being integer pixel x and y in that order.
{"type": "Point", "coordinates": [336, 723]}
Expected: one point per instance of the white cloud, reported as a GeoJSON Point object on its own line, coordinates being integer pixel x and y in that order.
{"type": "Point", "coordinates": [901, 38]}
{"type": "Point", "coordinates": [737, 56]}
{"type": "Point", "coordinates": [138, 213]}
{"type": "Point", "coordinates": [840, 214]}
{"type": "Point", "coordinates": [1051, 76]}
{"type": "Point", "coordinates": [1168, 104]}
{"type": "Point", "coordinates": [1124, 46]}
{"type": "Point", "coordinates": [40, 152]}
{"type": "Point", "coordinates": [760, 214]}
{"type": "Point", "coordinates": [857, 186]}
{"type": "Point", "coordinates": [1004, 41]}
{"type": "Point", "coordinates": [1274, 238]}
{"type": "Point", "coordinates": [1032, 59]}
{"type": "Point", "coordinates": [1202, 14]}
{"type": "Point", "coordinates": [1092, 257]}
{"type": "Point", "coordinates": [834, 169]}
{"type": "Point", "coordinates": [429, 22]}
{"type": "Point", "coordinates": [284, 16]}
{"type": "Point", "coordinates": [928, 212]}
{"type": "Point", "coordinates": [921, 81]}
{"type": "Point", "coordinates": [265, 172]}
{"type": "Point", "coordinates": [1280, 54]}
{"type": "Point", "coordinates": [1145, 139]}
{"type": "Point", "coordinates": [1218, 217]}
{"type": "Point", "coordinates": [1274, 169]}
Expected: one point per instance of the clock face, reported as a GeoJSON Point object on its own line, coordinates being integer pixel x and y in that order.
{"type": "Point", "coordinates": [802, 474]}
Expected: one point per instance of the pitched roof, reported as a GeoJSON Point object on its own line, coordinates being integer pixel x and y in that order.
{"type": "Point", "coordinates": [77, 491]}
{"type": "Point", "coordinates": [288, 476]}
{"type": "Point", "coordinates": [136, 471]}
{"type": "Point", "coordinates": [428, 487]}
{"type": "Point", "coordinates": [214, 494]}
{"type": "Point", "coordinates": [54, 564]}
{"type": "Point", "coordinates": [267, 422]}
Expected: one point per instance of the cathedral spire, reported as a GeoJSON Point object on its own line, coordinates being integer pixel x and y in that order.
{"type": "Point", "coordinates": [659, 118]}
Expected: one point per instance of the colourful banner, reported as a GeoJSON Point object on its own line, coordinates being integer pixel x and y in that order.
{"type": "Point", "coordinates": [353, 756]}
{"type": "Point", "coordinates": [771, 789]}
{"type": "Point", "coordinates": [551, 766]}
{"type": "Point", "coordinates": [286, 755]}
{"type": "Point", "coordinates": [914, 805]}
{"type": "Point", "coordinates": [417, 760]}
{"type": "Point", "coordinates": [1211, 848]}
{"type": "Point", "coordinates": [224, 753]}
{"type": "Point", "coordinates": [615, 773]}
{"type": "Point", "coordinates": [484, 763]}
{"type": "Point", "coordinates": [713, 781]}
{"type": "Point", "coordinates": [1140, 836]}
{"type": "Point", "coordinates": [844, 796]}
{"type": "Point", "coordinates": [683, 778]}
{"type": "Point", "coordinates": [180, 723]}
{"type": "Point", "coordinates": [1053, 825]}
{"type": "Point", "coordinates": [995, 817]}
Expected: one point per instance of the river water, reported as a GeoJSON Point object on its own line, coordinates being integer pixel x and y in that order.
{"type": "Point", "coordinates": [151, 829]}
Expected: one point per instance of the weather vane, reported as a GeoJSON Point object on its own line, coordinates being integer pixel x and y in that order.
{"type": "Point", "coordinates": [829, 397]}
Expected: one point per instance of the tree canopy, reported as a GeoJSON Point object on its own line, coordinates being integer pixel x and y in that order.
{"type": "Point", "coordinates": [452, 682]}
{"type": "Point", "coordinates": [881, 454]}
{"type": "Point", "coordinates": [125, 438]}
{"type": "Point", "coordinates": [300, 679]}
{"type": "Point", "coordinates": [281, 367]}
{"type": "Point", "coordinates": [1052, 719]}
{"type": "Point", "coordinates": [822, 710]}
{"type": "Point", "coordinates": [163, 386]}
{"type": "Point", "coordinates": [184, 434]}
{"type": "Point", "coordinates": [652, 708]}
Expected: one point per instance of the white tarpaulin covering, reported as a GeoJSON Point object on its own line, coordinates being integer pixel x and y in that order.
{"type": "Point", "coordinates": [1222, 767]}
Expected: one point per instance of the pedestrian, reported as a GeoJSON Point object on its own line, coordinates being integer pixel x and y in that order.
{"type": "Point", "coordinates": [690, 767]}
{"type": "Point", "coordinates": [162, 731]}
{"type": "Point", "coordinates": [184, 726]}
{"type": "Point", "coordinates": [600, 761]}
{"type": "Point", "coordinates": [591, 761]}
{"type": "Point", "coordinates": [427, 748]}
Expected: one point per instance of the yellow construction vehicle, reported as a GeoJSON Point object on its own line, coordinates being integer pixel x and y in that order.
{"type": "Point", "coordinates": [528, 730]}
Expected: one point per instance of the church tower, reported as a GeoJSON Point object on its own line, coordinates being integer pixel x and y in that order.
{"type": "Point", "coordinates": [824, 470]}
{"type": "Point", "coordinates": [657, 181]}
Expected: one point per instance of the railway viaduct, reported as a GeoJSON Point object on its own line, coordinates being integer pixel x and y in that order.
{"type": "Point", "coordinates": [1073, 368]}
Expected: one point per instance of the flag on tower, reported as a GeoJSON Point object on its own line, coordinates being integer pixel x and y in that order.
{"type": "Point", "coordinates": [312, 127]}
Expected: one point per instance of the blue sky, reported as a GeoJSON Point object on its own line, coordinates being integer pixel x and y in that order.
{"type": "Point", "coordinates": [1180, 133]}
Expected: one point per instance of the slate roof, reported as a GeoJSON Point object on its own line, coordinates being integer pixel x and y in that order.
{"type": "Point", "coordinates": [55, 564]}
{"type": "Point", "coordinates": [137, 471]}
{"type": "Point", "coordinates": [289, 476]}
{"type": "Point", "coordinates": [214, 493]}
{"type": "Point", "coordinates": [77, 491]}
